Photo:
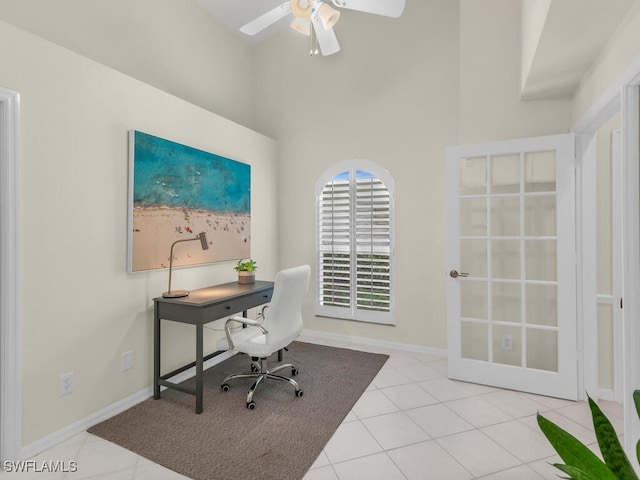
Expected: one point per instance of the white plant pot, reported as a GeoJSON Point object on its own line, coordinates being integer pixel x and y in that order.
{"type": "Point", "coordinates": [245, 277]}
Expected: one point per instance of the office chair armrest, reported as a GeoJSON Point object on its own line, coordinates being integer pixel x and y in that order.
{"type": "Point", "coordinates": [247, 321]}
{"type": "Point", "coordinates": [243, 320]}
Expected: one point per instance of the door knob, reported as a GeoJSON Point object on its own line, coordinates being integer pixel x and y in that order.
{"type": "Point", "coordinates": [455, 274]}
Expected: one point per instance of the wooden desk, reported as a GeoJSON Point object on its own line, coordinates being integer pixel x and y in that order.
{"type": "Point", "coordinates": [200, 307]}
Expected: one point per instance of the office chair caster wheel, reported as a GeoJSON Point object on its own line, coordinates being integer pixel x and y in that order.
{"type": "Point", "coordinates": [294, 371]}
{"type": "Point", "coordinates": [251, 405]}
{"type": "Point", "coordinates": [299, 393]}
{"type": "Point", "coordinates": [225, 387]}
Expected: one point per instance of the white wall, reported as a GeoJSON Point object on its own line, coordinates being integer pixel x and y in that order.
{"type": "Point", "coordinates": [81, 310]}
{"type": "Point", "coordinates": [398, 93]}
{"type": "Point", "coordinates": [490, 67]}
{"type": "Point", "coordinates": [620, 51]}
{"type": "Point", "coordinates": [390, 96]}
{"type": "Point", "coordinates": [174, 45]}
{"type": "Point", "coordinates": [534, 14]}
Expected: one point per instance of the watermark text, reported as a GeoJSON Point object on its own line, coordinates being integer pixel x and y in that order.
{"type": "Point", "coordinates": [40, 466]}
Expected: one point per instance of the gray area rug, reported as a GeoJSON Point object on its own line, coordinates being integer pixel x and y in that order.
{"type": "Point", "coordinates": [280, 439]}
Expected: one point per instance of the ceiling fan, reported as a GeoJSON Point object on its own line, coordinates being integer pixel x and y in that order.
{"type": "Point", "coordinates": [317, 17]}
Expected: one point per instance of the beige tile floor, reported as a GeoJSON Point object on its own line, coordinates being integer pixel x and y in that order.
{"type": "Point", "coordinates": [412, 423]}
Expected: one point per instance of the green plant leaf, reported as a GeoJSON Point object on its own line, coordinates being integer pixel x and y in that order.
{"type": "Point", "coordinates": [574, 472]}
{"type": "Point", "coordinates": [246, 266]}
{"type": "Point", "coordinates": [573, 452]}
{"type": "Point", "coordinates": [612, 452]}
{"type": "Point", "coordinates": [636, 401]}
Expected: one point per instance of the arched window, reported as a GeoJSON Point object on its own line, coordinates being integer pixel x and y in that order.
{"type": "Point", "coordinates": [354, 234]}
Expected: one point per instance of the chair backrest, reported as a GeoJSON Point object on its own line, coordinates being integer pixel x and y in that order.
{"type": "Point", "coordinates": [283, 318]}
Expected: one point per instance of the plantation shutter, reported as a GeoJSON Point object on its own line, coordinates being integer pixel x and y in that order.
{"type": "Point", "coordinates": [354, 218]}
{"type": "Point", "coordinates": [335, 242]}
{"type": "Point", "coordinates": [372, 243]}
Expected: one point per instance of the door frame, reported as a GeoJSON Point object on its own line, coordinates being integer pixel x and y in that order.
{"type": "Point", "coordinates": [623, 95]}
{"type": "Point", "coordinates": [586, 265]}
{"type": "Point", "coordinates": [631, 257]}
{"type": "Point", "coordinates": [10, 343]}
{"type": "Point", "coordinates": [617, 202]}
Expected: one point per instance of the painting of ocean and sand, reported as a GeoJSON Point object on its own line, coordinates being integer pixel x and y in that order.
{"type": "Point", "coordinates": [178, 191]}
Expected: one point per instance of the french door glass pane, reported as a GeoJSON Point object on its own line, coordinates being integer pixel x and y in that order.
{"type": "Point", "coordinates": [542, 304]}
{"type": "Point", "coordinates": [473, 255]}
{"type": "Point", "coordinates": [605, 346]}
{"type": "Point", "coordinates": [473, 216]}
{"type": "Point", "coordinates": [475, 340]}
{"type": "Point", "coordinates": [540, 172]}
{"type": "Point", "coordinates": [508, 246]}
{"type": "Point", "coordinates": [473, 176]}
{"type": "Point", "coordinates": [505, 174]}
{"type": "Point", "coordinates": [505, 259]}
{"type": "Point", "coordinates": [505, 216]}
{"type": "Point", "coordinates": [474, 299]}
{"type": "Point", "coordinates": [542, 349]}
{"type": "Point", "coordinates": [540, 259]}
{"type": "Point", "coordinates": [506, 302]}
{"type": "Point", "coordinates": [540, 216]}
{"type": "Point", "coordinates": [507, 345]}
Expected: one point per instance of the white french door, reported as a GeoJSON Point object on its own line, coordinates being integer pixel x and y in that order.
{"type": "Point", "coordinates": [512, 265]}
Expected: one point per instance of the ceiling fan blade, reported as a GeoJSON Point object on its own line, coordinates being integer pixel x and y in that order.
{"type": "Point", "coordinates": [327, 40]}
{"type": "Point", "coordinates": [388, 8]}
{"type": "Point", "coordinates": [266, 20]}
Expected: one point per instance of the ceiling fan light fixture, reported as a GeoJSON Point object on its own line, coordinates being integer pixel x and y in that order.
{"type": "Point", "coordinates": [301, 8]}
{"type": "Point", "coordinates": [328, 15]}
{"type": "Point", "coordinates": [301, 25]}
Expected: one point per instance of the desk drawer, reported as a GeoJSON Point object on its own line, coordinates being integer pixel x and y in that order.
{"type": "Point", "coordinates": [235, 306]}
{"type": "Point", "coordinates": [196, 314]}
{"type": "Point", "coordinates": [250, 301]}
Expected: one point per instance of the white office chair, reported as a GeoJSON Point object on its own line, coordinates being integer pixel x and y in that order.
{"type": "Point", "coordinates": [282, 325]}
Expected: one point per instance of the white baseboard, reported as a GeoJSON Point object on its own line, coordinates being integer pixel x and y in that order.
{"type": "Point", "coordinates": [59, 436]}
{"type": "Point", "coordinates": [55, 438]}
{"type": "Point", "coordinates": [606, 394]}
{"type": "Point", "coordinates": [310, 335]}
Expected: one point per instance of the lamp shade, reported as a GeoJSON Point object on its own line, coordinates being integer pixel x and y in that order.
{"type": "Point", "coordinates": [328, 16]}
{"type": "Point", "coordinates": [203, 240]}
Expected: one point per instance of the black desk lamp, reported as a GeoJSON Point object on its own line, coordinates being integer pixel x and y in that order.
{"type": "Point", "coordinates": [202, 236]}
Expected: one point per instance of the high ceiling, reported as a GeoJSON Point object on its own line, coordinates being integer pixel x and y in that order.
{"type": "Point", "coordinates": [573, 33]}
{"type": "Point", "coordinates": [236, 13]}
{"type": "Point", "coordinates": [558, 50]}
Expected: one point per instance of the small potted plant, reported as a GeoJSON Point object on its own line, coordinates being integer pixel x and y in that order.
{"type": "Point", "coordinates": [246, 271]}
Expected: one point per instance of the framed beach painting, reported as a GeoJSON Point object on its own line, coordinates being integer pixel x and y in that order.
{"type": "Point", "coordinates": [176, 192]}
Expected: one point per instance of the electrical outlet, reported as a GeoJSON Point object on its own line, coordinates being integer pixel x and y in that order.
{"type": "Point", "coordinates": [507, 342]}
{"type": "Point", "coordinates": [127, 360]}
{"type": "Point", "coordinates": [65, 384]}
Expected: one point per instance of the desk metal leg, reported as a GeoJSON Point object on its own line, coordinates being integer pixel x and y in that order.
{"type": "Point", "coordinates": [199, 367]}
{"type": "Point", "coordinates": [156, 352]}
